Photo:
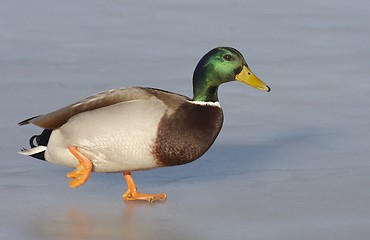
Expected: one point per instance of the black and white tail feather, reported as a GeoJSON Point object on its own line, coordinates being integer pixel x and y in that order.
{"type": "Point", "coordinates": [38, 145]}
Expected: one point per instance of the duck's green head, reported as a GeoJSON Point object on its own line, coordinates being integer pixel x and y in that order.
{"type": "Point", "coordinates": [220, 65]}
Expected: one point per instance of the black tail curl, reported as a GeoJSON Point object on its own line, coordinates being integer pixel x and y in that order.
{"type": "Point", "coordinates": [40, 140]}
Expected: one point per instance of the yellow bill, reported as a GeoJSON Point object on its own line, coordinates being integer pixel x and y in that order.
{"type": "Point", "coordinates": [247, 76]}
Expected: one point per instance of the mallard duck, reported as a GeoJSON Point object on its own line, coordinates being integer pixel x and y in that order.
{"type": "Point", "coordinates": [140, 128]}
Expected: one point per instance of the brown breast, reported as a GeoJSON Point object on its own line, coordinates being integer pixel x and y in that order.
{"type": "Point", "coordinates": [186, 134]}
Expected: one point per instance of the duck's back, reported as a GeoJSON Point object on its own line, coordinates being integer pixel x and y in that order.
{"type": "Point", "coordinates": [56, 119]}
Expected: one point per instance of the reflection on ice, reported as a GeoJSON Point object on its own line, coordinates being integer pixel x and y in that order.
{"type": "Point", "coordinates": [125, 223]}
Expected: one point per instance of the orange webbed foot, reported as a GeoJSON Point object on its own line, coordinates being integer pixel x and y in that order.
{"type": "Point", "coordinates": [132, 194]}
{"type": "Point", "coordinates": [82, 172]}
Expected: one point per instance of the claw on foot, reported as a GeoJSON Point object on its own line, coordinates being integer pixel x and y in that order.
{"type": "Point", "coordinates": [82, 172]}
{"type": "Point", "coordinates": [132, 194]}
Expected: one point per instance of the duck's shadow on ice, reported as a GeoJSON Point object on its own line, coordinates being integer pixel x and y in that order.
{"type": "Point", "coordinates": [219, 162]}
{"type": "Point", "coordinates": [223, 161]}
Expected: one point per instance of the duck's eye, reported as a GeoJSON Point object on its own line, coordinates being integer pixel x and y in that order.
{"type": "Point", "coordinates": [228, 57]}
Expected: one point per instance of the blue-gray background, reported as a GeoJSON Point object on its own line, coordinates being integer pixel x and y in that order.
{"type": "Point", "coordinates": [290, 164]}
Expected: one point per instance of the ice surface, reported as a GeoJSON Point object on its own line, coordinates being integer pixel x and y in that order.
{"type": "Point", "coordinates": [290, 164]}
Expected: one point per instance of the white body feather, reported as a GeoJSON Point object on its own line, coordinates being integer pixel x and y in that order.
{"type": "Point", "coordinates": [115, 138]}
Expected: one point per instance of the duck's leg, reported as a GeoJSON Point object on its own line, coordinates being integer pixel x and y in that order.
{"type": "Point", "coordinates": [132, 193]}
{"type": "Point", "coordinates": [82, 172]}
